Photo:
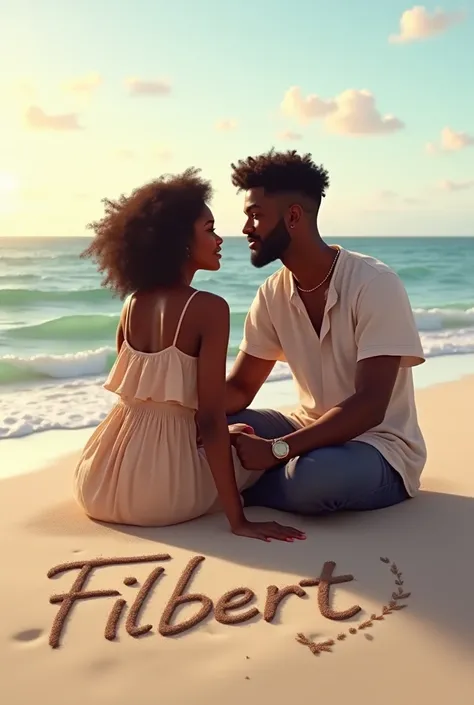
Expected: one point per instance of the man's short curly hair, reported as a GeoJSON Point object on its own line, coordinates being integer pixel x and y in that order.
{"type": "Point", "coordinates": [142, 240]}
{"type": "Point", "coordinates": [280, 172]}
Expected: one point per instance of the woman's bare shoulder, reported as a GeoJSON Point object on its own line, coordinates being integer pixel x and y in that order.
{"type": "Point", "coordinates": [208, 304]}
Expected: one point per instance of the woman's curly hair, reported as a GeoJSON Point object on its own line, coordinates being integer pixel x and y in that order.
{"type": "Point", "coordinates": [143, 239]}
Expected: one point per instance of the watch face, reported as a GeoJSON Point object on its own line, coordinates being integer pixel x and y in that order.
{"type": "Point", "coordinates": [280, 449]}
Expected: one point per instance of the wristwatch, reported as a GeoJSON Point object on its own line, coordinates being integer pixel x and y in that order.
{"type": "Point", "coordinates": [280, 449]}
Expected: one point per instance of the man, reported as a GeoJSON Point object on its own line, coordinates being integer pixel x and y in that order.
{"type": "Point", "coordinates": [344, 324]}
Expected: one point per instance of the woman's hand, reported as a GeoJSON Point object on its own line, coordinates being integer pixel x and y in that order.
{"type": "Point", "coordinates": [241, 428]}
{"type": "Point", "coordinates": [267, 530]}
{"type": "Point", "coordinates": [234, 428]}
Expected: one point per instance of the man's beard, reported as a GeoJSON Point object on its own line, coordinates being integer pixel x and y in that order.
{"type": "Point", "coordinates": [272, 247]}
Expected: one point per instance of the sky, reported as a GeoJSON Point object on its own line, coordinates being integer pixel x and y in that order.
{"type": "Point", "coordinates": [99, 97]}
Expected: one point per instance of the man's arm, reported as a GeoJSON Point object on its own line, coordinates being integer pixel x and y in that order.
{"type": "Point", "coordinates": [387, 339]}
{"type": "Point", "coordinates": [365, 409]}
{"type": "Point", "coordinates": [259, 350]}
{"type": "Point", "coordinates": [245, 381]}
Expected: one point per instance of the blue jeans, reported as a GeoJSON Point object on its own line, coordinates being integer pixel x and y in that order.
{"type": "Point", "coordinates": [354, 476]}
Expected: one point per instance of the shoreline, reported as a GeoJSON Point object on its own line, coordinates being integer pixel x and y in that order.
{"type": "Point", "coordinates": [33, 452]}
{"type": "Point", "coordinates": [77, 403]}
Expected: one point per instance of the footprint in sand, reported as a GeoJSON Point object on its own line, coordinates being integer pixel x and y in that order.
{"type": "Point", "coordinates": [101, 666]}
{"type": "Point", "coordinates": [28, 635]}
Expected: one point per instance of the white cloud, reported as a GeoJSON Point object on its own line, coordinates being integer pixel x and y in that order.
{"type": "Point", "coordinates": [290, 136]}
{"type": "Point", "coordinates": [450, 186]}
{"type": "Point", "coordinates": [226, 125]}
{"type": "Point", "coordinates": [450, 141]}
{"type": "Point", "coordinates": [83, 85]}
{"type": "Point", "coordinates": [140, 87]}
{"type": "Point", "coordinates": [352, 112]}
{"type": "Point", "coordinates": [305, 109]}
{"type": "Point", "coordinates": [37, 119]}
{"type": "Point", "coordinates": [162, 154]}
{"type": "Point", "coordinates": [387, 195]}
{"type": "Point", "coordinates": [418, 23]}
{"type": "Point", "coordinates": [392, 201]}
{"type": "Point", "coordinates": [357, 114]}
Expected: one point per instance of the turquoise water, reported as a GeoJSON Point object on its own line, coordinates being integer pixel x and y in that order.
{"type": "Point", "coordinates": [57, 325]}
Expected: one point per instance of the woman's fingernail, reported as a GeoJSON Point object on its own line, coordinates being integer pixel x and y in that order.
{"type": "Point", "coordinates": [289, 539]}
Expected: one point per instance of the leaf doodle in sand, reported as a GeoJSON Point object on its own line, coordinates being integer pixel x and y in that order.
{"type": "Point", "coordinates": [393, 606]}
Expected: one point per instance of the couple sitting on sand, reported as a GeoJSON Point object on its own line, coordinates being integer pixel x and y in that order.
{"type": "Point", "coordinates": [181, 442]}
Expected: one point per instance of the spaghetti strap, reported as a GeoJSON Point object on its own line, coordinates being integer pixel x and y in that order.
{"type": "Point", "coordinates": [185, 307]}
{"type": "Point", "coordinates": [127, 315]}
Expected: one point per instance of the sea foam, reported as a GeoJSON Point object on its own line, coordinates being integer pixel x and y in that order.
{"type": "Point", "coordinates": [66, 392]}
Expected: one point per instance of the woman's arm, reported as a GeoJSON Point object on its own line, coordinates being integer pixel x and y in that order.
{"type": "Point", "coordinates": [214, 317]}
{"type": "Point", "coordinates": [211, 417]}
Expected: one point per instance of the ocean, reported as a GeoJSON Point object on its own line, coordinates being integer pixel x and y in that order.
{"type": "Point", "coordinates": [57, 325]}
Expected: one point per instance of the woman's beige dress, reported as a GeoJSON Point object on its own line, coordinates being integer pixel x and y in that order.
{"type": "Point", "coordinates": [142, 465]}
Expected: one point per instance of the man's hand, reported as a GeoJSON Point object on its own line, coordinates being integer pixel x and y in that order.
{"type": "Point", "coordinates": [255, 453]}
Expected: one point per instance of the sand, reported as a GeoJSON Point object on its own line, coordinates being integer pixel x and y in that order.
{"type": "Point", "coordinates": [422, 653]}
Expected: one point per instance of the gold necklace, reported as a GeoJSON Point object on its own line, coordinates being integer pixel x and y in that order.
{"type": "Point", "coordinates": [309, 291]}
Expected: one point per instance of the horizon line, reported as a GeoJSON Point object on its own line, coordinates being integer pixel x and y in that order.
{"type": "Point", "coordinates": [235, 237]}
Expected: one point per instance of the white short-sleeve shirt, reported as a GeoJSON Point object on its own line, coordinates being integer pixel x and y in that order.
{"type": "Point", "coordinates": [367, 314]}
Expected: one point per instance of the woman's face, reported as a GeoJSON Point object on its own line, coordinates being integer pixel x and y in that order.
{"type": "Point", "coordinates": [206, 245]}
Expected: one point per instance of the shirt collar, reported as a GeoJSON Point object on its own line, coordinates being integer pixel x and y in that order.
{"type": "Point", "coordinates": [332, 292]}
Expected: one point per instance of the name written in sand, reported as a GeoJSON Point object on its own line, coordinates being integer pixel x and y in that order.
{"type": "Point", "coordinates": [223, 609]}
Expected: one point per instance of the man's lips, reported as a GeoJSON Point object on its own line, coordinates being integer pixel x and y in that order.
{"type": "Point", "coordinates": [253, 243]}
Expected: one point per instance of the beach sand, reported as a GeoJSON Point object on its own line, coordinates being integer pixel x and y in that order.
{"type": "Point", "coordinates": [420, 654]}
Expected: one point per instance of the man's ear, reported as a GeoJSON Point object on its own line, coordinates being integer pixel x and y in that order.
{"type": "Point", "coordinates": [295, 214]}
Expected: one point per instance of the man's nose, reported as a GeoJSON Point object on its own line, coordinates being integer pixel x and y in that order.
{"type": "Point", "coordinates": [248, 228]}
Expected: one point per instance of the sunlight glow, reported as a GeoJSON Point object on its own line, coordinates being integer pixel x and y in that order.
{"type": "Point", "coordinates": [8, 182]}
{"type": "Point", "coordinates": [8, 192]}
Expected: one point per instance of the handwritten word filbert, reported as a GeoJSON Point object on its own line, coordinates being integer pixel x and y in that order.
{"type": "Point", "coordinates": [223, 608]}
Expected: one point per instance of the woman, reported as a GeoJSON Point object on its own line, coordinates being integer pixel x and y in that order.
{"type": "Point", "coordinates": [143, 464]}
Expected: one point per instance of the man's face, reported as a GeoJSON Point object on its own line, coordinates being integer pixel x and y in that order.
{"type": "Point", "coordinates": [265, 228]}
